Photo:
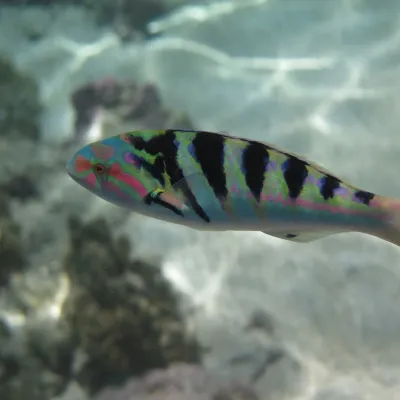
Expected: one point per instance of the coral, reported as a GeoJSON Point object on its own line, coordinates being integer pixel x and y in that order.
{"type": "Point", "coordinates": [128, 106]}
{"type": "Point", "coordinates": [179, 382]}
{"type": "Point", "coordinates": [125, 16]}
{"type": "Point", "coordinates": [12, 258]}
{"type": "Point", "coordinates": [125, 316]}
{"type": "Point", "coordinates": [36, 349]}
{"type": "Point", "coordinates": [20, 107]}
{"type": "Point", "coordinates": [104, 317]}
{"type": "Point", "coordinates": [32, 385]}
{"type": "Point", "coordinates": [20, 186]}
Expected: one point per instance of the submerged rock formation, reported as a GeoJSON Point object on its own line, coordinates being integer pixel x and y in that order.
{"type": "Point", "coordinates": [122, 312]}
{"type": "Point", "coordinates": [12, 259]}
{"type": "Point", "coordinates": [179, 382]}
{"type": "Point", "coordinates": [99, 317]}
{"type": "Point", "coordinates": [126, 17]}
{"type": "Point", "coordinates": [19, 103]}
{"type": "Point", "coordinates": [118, 106]}
{"type": "Point", "coordinates": [20, 111]}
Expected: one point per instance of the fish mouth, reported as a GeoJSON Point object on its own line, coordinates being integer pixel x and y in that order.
{"type": "Point", "coordinates": [71, 171]}
{"type": "Point", "coordinates": [70, 167]}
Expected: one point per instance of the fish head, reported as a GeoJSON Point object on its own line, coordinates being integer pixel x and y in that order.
{"type": "Point", "coordinates": [120, 171]}
{"type": "Point", "coordinates": [116, 171]}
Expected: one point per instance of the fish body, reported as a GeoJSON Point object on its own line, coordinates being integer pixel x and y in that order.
{"type": "Point", "coordinates": [213, 181]}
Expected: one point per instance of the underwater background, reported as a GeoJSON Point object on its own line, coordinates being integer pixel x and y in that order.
{"type": "Point", "coordinates": [98, 303]}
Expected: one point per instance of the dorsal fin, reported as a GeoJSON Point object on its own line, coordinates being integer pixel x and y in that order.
{"type": "Point", "coordinates": [305, 159]}
{"type": "Point", "coordinates": [287, 153]}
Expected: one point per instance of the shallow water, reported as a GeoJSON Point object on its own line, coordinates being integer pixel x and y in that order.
{"type": "Point", "coordinates": [77, 314]}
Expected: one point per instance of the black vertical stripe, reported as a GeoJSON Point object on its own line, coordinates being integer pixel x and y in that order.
{"type": "Point", "coordinates": [328, 186]}
{"type": "Point", "coordinates": [295, 174]}
{"type": "Point", "coordinates": [149, 199]}
{"type": "Point", "coordinates": [164, 144]}
{"type": "Point", "coordinates": [158, 144]}
{"type": "Point", "coordinates": [208, 149]}
{"type": "Point", "coordinates": [154, 170]}
{"type": "Point", "coordinates": [254, 163]}
{"type": "Point", "coordinates": [364, 197]}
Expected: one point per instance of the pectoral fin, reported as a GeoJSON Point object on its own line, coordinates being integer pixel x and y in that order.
{"type": "Point", "coordinates": [189, 193]}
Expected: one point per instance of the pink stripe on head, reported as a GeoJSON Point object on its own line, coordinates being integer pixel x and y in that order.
{"type": "Point", "coordinates": [82, 164]}
{"type": "Point", "coordinates": [115, 189]}
{"type": "Point", "coordinates": [90, 180]}
{"type": "Point", "coordinates": [135, 184]}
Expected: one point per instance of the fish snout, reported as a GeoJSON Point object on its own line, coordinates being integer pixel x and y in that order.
{"type": "Point", "coordinates": [70, 166]}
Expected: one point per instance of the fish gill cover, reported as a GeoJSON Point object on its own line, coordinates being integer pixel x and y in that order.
{"type": "Point", "coordinates": [319, 78]}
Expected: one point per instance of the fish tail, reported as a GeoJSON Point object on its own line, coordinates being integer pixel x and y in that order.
{"type": "Point", "coordinates": [390, 211]}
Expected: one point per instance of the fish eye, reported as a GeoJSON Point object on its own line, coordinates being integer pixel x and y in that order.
{"type": "Point", "coordinates": [99, 168]}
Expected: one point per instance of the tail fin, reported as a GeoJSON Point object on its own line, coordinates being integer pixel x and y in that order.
{"type": "Point", "coordinates": [389, 208]}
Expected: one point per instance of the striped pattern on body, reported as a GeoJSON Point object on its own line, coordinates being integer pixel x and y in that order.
{"type": "Point", "coordinates": [248, 179]}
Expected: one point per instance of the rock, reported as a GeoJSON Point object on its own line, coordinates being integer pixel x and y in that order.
{"type": "Point", "coordinates": [119, 313]}
{"type": "Point", "coordinates": [179, 382]}
{"type": "Point", "coordinates": [262, 321]}
{"type": "Point", "coordinates": [12, 259]}
{"type": "Point", "coordinates": [36, 349]}
{"type": "Point", "coordinates": [28, 386]}
{"type": "Point", "coordinates": [20, 186]}
{"type": "Point", "coordinates": [123, 313]}
{"type": "Point", "coordinates": [73, 392]}
{"type": "Point", "coordinates": [126, 17]}
{"type": "Point", "coordinates": [20, 107]}
{"type": "Point", "coordinates": [122, 106]}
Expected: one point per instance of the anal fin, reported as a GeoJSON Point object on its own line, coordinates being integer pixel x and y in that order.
{"type": "Point", "coordinates": [299, 236]}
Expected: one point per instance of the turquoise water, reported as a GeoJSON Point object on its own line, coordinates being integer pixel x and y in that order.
{"type": "Point", "coordinates": [92, 297]}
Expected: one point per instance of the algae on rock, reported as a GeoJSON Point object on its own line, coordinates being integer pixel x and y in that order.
{"type": "Point", "coordinates": [12, 258]}
{"type": "Point", "coordinates": [20, 107]}
{"type": "Point", "coordinates": [126, 17]}
{"type": "Point", "coordinates": [122, 106]}
{"type": "Point", "coordinates": [124, 314]}
{"type": "Point", "coordinates": [20, 110]}
{"type": "Point", "coordinates": [180, 381]}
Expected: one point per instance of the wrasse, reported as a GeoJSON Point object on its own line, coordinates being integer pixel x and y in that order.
{"type": "Point", "coordinates": [213, 181]}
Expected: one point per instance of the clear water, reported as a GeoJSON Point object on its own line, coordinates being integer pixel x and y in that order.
{"type": "Point", "coordinates": [81, 310]}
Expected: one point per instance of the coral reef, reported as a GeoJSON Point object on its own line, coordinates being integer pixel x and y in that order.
{"type": "Point", "coordinates": [11, 253]}
{"type": "Point", "coordinates": [125, 16]}
{"type": "Point", "coordinates": [20, 110]}
{"type": "Point", "coordinates": [35, 345]}
{"type": "Point", "coordinates": [179, 382]}
{"type": "Point", "coordinates": [104, 317]}
{"type": "Point", "coordinates": [100, 316]}
{"type": "Point", "coordinates": [20, 186]}
{"type": "Point", "coordinates": [19, 103]}
{"type": "Point", "coordinates": [122, 106]}
{"type": "Point", "coordinates": [124, 315]}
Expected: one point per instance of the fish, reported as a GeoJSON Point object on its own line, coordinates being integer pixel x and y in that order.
{"type": "Point", "coordinates": [215, 181]}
